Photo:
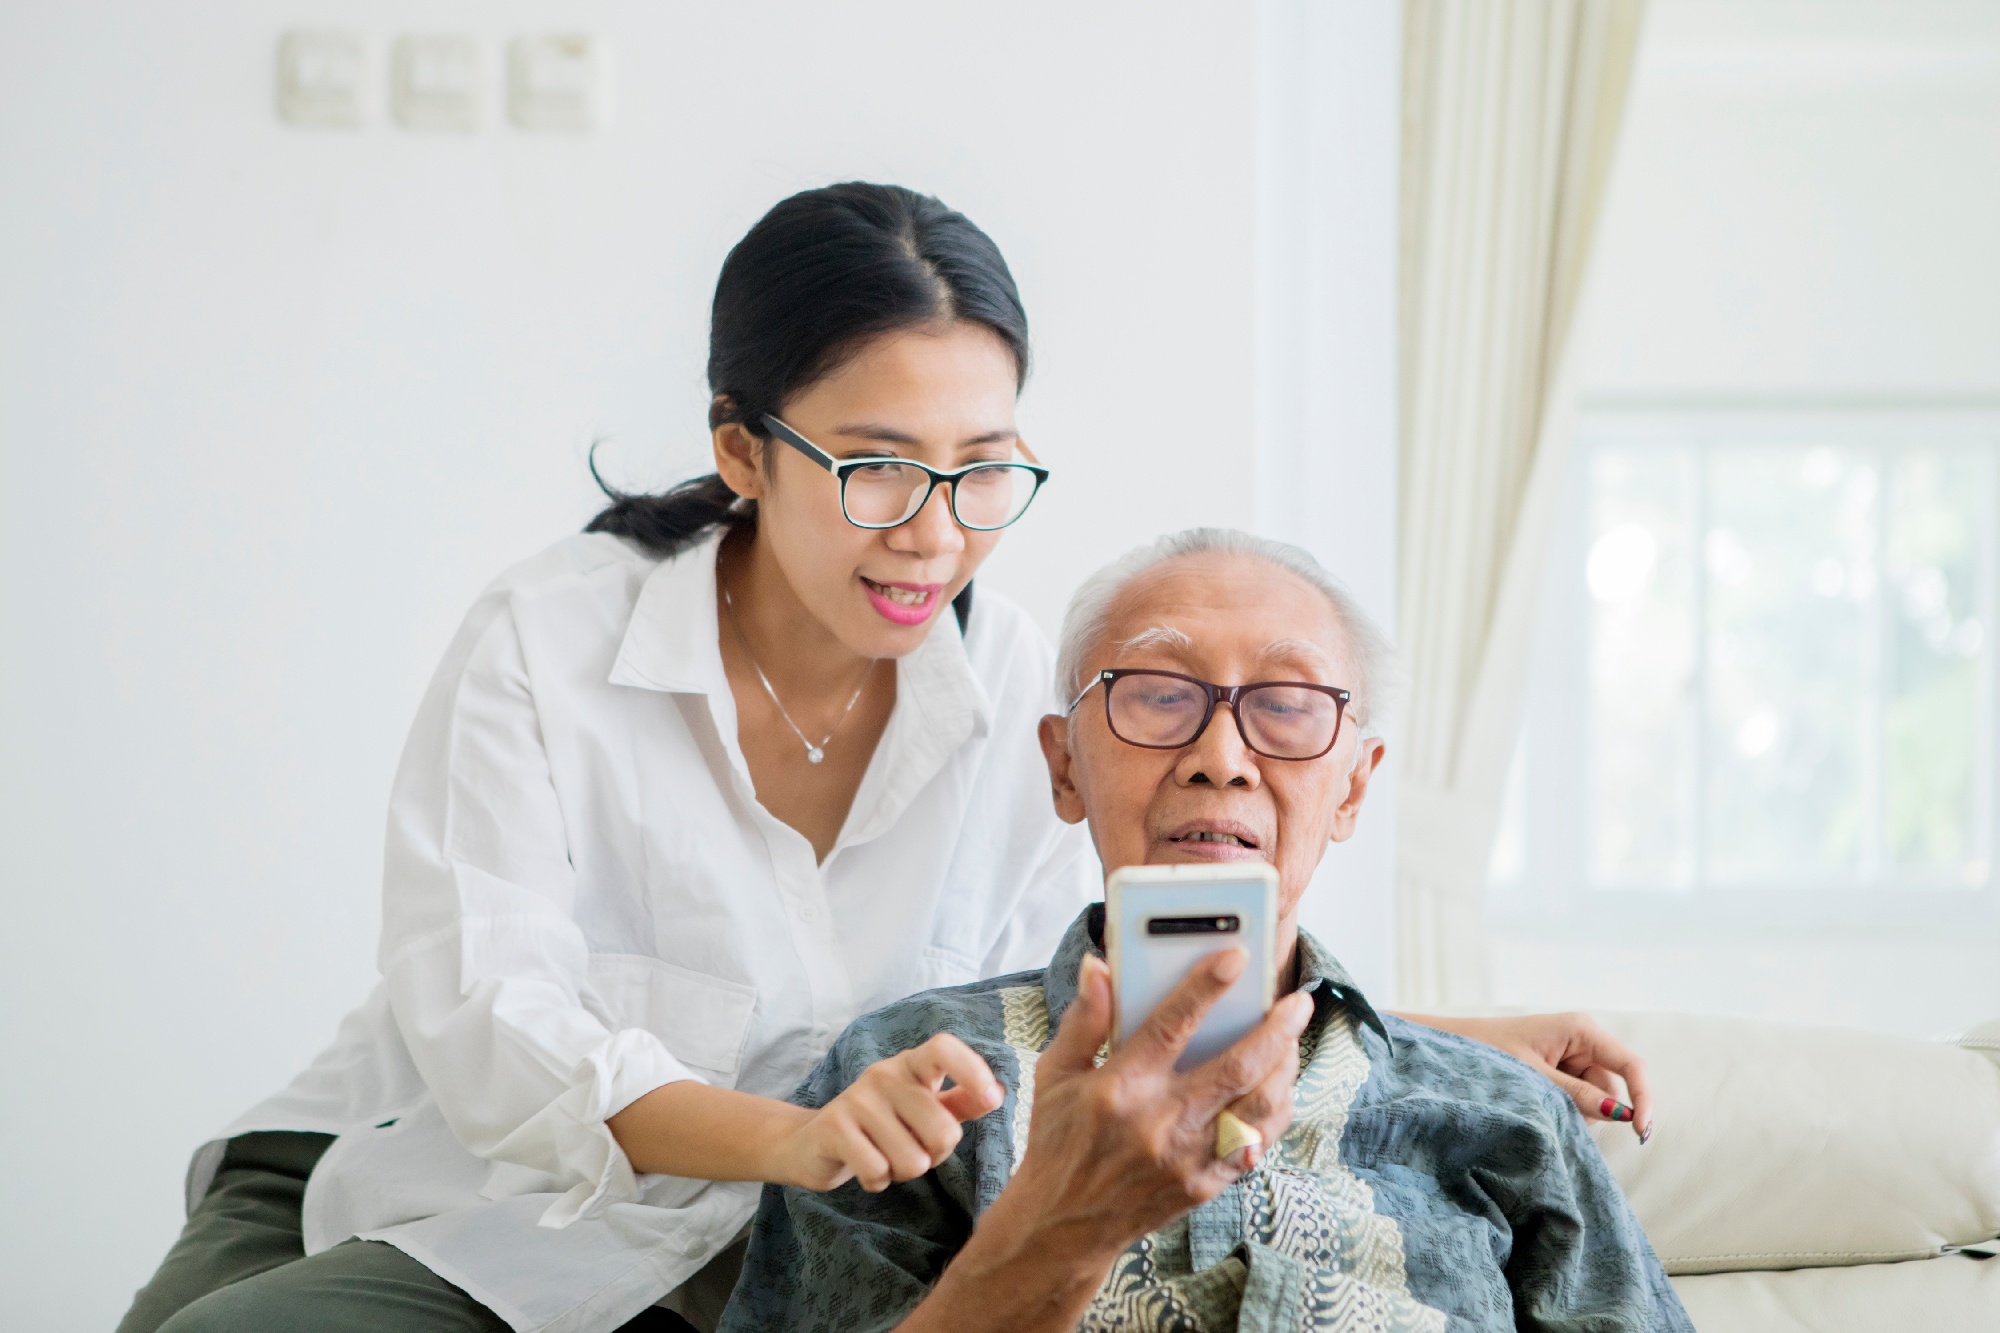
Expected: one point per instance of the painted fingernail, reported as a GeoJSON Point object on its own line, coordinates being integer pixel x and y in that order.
{"type": "Point", "coordinates": [1613, 1109]}
{"type": "Point", "coordinates": [1645, 1136]}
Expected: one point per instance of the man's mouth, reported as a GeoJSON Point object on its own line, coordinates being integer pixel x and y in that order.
{"type": "Point", "coordinates": [1229, 838]}
{"type": "Point", "coordinates": [1211, 839]}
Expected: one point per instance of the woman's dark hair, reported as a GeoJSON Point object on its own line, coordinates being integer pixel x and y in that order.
{"type": "Point", "coordinates": [816, 278]}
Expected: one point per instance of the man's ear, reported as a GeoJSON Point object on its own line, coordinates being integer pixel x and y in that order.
{"type": "Point", "coordinates": [738, 456]}
{"type": "Point", "coordinates": [1054, 735]}
{"type": "Point", "coordinates": [1366, 760]}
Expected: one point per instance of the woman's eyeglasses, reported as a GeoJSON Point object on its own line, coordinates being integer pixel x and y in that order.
{"type": "Point", "coordinates": [889, 492]}
{"type": "Point", "coordinates": [1164, 710]}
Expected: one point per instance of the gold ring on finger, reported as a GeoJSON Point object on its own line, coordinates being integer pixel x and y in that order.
{"type": "Point", "coordinates": [1233, 1134]}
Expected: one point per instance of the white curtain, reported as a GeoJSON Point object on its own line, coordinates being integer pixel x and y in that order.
{"type": "Point", "coordinates": [1510, 115]}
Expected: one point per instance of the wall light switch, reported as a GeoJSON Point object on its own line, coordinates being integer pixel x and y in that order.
{"type": "Point", "coordinates": [554, 83]}
{"type": "Point", "coordinates": [434, 82]}
{"type": "Point", "coordinates": [319, 78]}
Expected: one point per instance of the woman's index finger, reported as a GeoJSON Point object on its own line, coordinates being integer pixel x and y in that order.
{"type": "Point", "coordinates": [946, 1055]}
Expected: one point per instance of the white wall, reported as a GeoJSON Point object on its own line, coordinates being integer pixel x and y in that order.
{"type": "Point", "coordinates": [275, 403]}
{"type": "Point", "coordinates": [1328, 170]}
{"type": "Point", "coordinates": [1803, 212]}
{"type": "Point", "coordinates": [1804, 204]}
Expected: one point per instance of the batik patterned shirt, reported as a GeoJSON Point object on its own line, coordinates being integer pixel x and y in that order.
{"type": "Point", "coordinates": [1428, 1184]}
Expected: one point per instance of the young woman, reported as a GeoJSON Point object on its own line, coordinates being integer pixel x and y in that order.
{"type": "Point", "coordinates": [688, 793]}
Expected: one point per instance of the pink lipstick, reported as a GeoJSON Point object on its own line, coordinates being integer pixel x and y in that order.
{"type": "Point", "coordinates": [902, 603]}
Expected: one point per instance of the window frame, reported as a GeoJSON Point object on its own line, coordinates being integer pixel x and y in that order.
{"type": "Point", "coordinates": [1548, 800]}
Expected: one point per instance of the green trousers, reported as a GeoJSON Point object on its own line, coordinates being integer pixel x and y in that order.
{"type": "Point", "coordinates": [240, 1265]}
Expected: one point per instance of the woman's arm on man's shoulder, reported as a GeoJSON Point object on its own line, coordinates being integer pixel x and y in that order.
{"type": "Point", "coordinates": [1603, 1076]}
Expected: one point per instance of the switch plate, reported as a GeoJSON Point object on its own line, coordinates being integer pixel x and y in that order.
{"type": "Point", "coordinates": [434, 82]}
{"type": "Point", "coordinates": [554, 82]}
{"type": "Point", "coordinates": [319, 78]}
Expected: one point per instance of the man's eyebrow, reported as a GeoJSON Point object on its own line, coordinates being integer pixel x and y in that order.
{"type": "Point", "coordinates": [1160, 636]}
{"type": "Point", "coordinates": [1173, 640]}
{"type": "Point", "coordinates": [1297, 648]}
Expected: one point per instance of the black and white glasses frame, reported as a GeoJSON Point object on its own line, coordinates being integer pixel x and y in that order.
{"type": "Point", "coordinates": [844, 469]}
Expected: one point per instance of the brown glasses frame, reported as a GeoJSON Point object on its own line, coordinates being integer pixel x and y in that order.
{"type": "Point", "coordinates": [1217, 694]}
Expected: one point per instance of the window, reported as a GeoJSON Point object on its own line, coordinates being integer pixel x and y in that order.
{"type": "Point", "coordinates": [1766, 667]}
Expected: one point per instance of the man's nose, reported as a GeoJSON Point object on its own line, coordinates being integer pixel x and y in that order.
{"type": "Point", "coordinates": [1218, 757]}
{"type": "Point", "coordinates": [932, 532]}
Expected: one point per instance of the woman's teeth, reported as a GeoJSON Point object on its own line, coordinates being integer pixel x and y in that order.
{"type": "Point", "coordinates": [1229, 838]}
{"type": "Point", "coordinates": [900, 596]}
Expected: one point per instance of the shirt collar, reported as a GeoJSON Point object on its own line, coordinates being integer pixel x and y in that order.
{"type": "Point", "coordinates": [672, 643]}
{"type": "Point", "coordinates": [1320, 975]}
{"type": "Point", "coordinates": [940, 705]}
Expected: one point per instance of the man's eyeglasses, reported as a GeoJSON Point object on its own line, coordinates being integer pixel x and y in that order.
{"type": "Point", "coordinates": [888, 492]}
{"type": "Point", "coordinates": [1164, 710]}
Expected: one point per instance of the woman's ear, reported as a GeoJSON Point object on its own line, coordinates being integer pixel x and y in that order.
{"type": "Point", "coordinates": [739, 458]}
{"type": "Point", "coordinates": [1054, 735]}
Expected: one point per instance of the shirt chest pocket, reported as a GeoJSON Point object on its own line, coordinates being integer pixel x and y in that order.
{"type": "Point", "coordinates": [703, 1020]}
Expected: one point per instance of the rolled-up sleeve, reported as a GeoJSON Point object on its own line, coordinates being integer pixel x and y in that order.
{"type": "Point", "coordinates": [486, 967]}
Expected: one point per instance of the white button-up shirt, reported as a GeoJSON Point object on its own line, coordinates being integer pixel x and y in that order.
{"type": "Point", "coordinates": [583, 900]}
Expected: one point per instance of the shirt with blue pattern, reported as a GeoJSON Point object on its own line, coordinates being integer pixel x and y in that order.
{"type": "Point", "coordinates": [1427, 1184]}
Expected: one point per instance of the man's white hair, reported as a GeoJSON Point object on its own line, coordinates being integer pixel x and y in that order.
{"type": "Point", "coordinates": [1378, 678]}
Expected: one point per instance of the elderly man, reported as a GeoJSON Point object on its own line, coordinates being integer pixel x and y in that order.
{"type": "Point", "coordinates": [1413, 1180]}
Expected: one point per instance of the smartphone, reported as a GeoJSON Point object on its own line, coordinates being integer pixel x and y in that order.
{"type": "Point", "coordinates": [1159, 921]}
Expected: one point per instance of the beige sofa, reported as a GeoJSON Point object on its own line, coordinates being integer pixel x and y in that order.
{"type": "Point", "coordinates": [1800, 1180]}
{"type": "Point", "coordinates": [1818, 1180]}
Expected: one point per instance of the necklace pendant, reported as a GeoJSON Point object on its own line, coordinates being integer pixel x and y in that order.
{"type": "Point", "coordinates": [814, 754]}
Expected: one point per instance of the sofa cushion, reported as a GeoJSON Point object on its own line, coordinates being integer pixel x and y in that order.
{"type": "Point", "coordinates": [1783, 1146]}
{"type": "Point", "coordinates": [1984, 1038]}
{"type": "Point", "coordinates": [1952, 1294]}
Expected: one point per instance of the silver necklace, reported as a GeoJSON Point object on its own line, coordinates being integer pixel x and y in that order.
{"type": "Point", "coordinates": [814, 753]}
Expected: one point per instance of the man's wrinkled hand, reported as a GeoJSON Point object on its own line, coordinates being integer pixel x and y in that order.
{"type": "Point", "coordinates": [1117, 1151]}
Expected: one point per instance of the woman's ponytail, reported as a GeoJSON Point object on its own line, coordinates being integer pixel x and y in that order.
{"type": "Point", "coordinates": [668, 523]}
{"type": "Point", "coordinates": [821, 274]}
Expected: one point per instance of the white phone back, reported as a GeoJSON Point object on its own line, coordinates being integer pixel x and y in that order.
{"type": "Point", "coordinates": [1145, 966]}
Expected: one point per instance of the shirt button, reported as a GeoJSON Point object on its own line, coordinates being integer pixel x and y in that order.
{"type": "Point", "coordinates": [808, 912]}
